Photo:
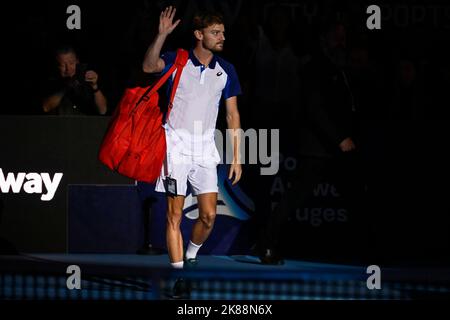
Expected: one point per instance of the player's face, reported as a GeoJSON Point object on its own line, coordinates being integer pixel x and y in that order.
{"type": "Point", "coordinates": [214, 37]}
{"type": "Point", "coordinates": [67, 64]}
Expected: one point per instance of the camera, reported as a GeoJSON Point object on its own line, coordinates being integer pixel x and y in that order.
{"type": "Point", "coordinates": [81, 70]}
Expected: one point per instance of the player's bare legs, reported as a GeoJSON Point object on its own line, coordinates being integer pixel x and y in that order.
{"type": "Point", "coordinates": [207, 205]}
{"type": "Point", "coordinates": [174, 237]}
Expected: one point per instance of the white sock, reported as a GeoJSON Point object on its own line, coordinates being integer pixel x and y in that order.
{"type": "Point", "coordinates": [178, 265]}
{"type": "Point", "coordinates": [192, 250]}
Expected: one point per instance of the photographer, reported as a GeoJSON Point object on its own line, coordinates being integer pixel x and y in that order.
{"type": "Point", "coordinates": [74, 90]}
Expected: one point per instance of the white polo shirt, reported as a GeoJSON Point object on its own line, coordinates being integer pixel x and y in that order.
{"type": "Point", "coordinates": [196, 103]}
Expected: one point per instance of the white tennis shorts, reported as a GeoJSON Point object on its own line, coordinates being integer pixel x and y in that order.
{"type": "Point", "coordinates": [199, 170]}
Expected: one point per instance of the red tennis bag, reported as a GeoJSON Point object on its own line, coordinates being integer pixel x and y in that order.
{"type": "Point", "coordinates": [135, 143]}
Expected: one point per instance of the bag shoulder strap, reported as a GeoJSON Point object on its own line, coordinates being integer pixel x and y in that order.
{"type": "Point", "coordinates": [180, 61]}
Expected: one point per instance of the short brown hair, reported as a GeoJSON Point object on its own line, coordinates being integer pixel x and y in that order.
{"type": "Point", "coordinates": [205, 19]}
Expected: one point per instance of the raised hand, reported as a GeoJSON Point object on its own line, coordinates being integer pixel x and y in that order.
{"type": "Point", "coordinates": [166, 24]}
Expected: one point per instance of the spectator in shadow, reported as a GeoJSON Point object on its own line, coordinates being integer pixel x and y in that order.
{"type": "Point", "coordinates": [324, 133]}
{"type": "Point", "coordinates": [75, 88]}
{"type": "Point", "coordinates": [408, 129]}
{"type": "Point", "coordinates": [272, 69]}
{"type": "Point", "coordinates": [276, 80]}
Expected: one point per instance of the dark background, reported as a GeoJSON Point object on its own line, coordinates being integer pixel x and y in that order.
{"type": "Point", "coordinates": [404, 134]}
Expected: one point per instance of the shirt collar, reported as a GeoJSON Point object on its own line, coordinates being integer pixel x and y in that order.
{"type": "Point", "coordinates": [193, 58]}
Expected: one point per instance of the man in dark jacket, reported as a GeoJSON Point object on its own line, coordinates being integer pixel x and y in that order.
{"type": "Point", "coordinates": [74, 90]}
{"type": "Point", "coordinates": [323, 134]}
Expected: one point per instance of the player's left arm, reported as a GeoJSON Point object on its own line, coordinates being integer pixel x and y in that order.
{"type": "Point", "coordinates": [234, 126]}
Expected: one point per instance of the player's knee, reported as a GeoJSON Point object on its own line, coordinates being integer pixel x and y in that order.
{"type": "Point", "coordinates": [174, 218]}
{"type": "Point", "coordinates": [208, 219]}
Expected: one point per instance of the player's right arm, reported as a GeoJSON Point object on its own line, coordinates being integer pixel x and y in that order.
{"type": "Point", "coordinates": [152, 61]}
